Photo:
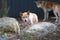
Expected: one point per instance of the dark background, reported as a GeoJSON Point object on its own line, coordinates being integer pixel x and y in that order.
{"type": "Point", "coordinates": [17, 6]}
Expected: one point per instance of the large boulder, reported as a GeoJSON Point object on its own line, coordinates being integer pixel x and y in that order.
{"type": "Point", "coordinates": [40, 29]}
{"type": "Point", "coordinates": [9, 24]}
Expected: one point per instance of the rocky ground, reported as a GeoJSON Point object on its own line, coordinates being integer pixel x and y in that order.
{"type": "Point", "coordinates": [9, 29]}
{"type": "Point", "coordinates": [50, 36]}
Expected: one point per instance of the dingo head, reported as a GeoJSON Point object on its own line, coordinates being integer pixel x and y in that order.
{"type": "Point", "coordinates": [25, 16]}
{"type": "Point", "coordinates": [38, 3]}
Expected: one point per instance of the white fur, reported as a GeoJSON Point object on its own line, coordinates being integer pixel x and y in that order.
{"type": "Point", "coordinates": [29, 19]}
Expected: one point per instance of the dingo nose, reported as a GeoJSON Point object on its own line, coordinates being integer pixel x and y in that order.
{"type": "Point", "coordinates": [25, 20]}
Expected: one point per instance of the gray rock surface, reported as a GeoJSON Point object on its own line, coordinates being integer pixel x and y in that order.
{"type": "Point", "coordinates": [9, 24]}
{"type": "Point", "coordinates": [40, 29]}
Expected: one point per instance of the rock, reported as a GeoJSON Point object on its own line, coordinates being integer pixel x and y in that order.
{"type": "Point", "coordinates": [40, 29]}
{"type": "Point", "coordinates": [1, 38]}
{"type": "Point", "coordinates": [9, 24]}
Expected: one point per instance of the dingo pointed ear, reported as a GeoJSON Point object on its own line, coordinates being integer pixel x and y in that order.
{"type": "Point", "coordinates": [28, 12]}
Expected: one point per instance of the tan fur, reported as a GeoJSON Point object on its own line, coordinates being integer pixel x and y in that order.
{"type": "Point", "coordinates": [24, 15]}
{"type": "Point", "coordinates": [47, 6]}
{"type": "Point", "coordinates": [30, 17]}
